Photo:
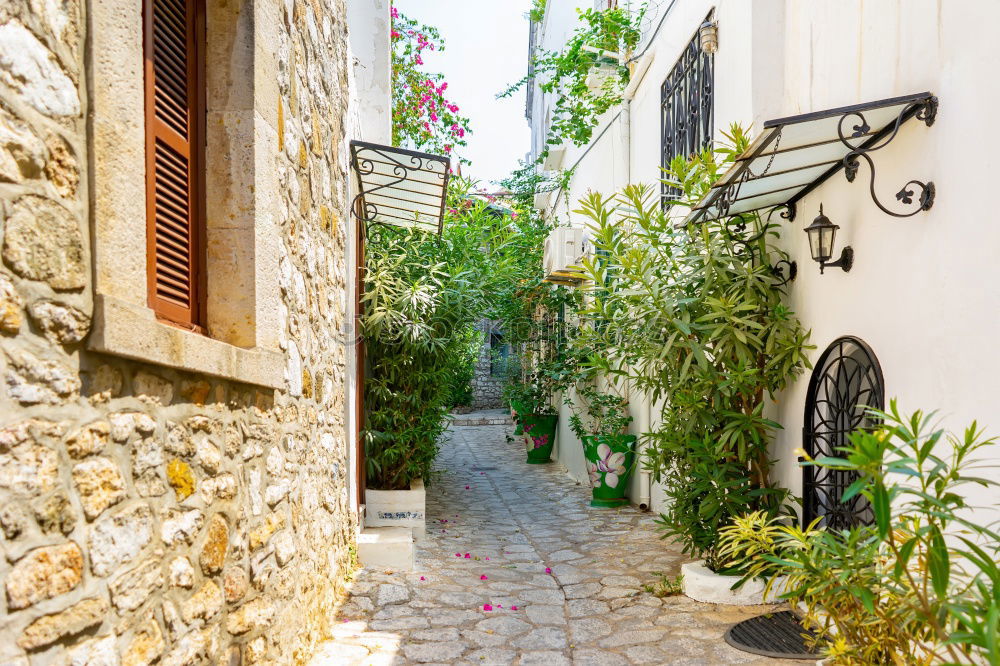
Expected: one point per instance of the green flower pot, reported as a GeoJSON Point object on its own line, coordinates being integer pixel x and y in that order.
{"type": "Point", "coordinates": [609, 465]}
{"type": "Point", "coordinates": [539, 435]}
{"type": "Point", "coordinates": [520, 409]}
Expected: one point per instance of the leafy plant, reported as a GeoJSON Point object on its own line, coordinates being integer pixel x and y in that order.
{"type": "Point", "coordinates": [745, 542]}
{"type": "Point", "coordinates": [537, 11]}
{"type": "Point", "coordinates": [603, 40]}
{"type": "Point", "coordinates": [422, 117]}
{"type": "Point", "coordinates": [697, 317]}
{"type": "Point", "coordinates": [598, 413]}
{"type": "Point", "coordinates": [666, 586]}
{"type": "Point", "coordinates": [423, 297]}
{"type": "Point", "coordinates": [919, 585]}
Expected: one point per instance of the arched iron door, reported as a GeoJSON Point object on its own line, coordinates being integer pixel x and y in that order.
{"type": "Point", "coordinates": [844, 384]}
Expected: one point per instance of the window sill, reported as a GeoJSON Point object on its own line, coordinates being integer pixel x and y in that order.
{"type": "Point", "coordinates": [125, 329]}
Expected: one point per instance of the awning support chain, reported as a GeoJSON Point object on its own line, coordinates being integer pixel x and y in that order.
{"type": "Point", "coordinates": [926, 111]}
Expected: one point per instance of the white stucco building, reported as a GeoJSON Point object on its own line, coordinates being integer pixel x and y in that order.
{"type": "Point", "coordinates": [919, 308]}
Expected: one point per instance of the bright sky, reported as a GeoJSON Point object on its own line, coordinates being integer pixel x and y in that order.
{"type": "Point", "coordinates": [486, 50]}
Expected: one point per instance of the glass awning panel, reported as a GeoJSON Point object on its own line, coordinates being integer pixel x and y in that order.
{"type": "Point", "coordinates": [401, 187]}
{"type": "Point", "coordinates": [793, 155]}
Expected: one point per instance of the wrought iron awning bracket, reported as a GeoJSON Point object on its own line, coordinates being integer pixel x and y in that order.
{"type": "Point", "coordinates": [401, 172]}
{"type": "Point", "coordinates": [925, 111]}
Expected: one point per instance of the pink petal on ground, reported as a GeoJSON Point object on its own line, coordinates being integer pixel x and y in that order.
{"type": "Point", "coordinates": [548, 570]}
{"type": "Point", "coordinates": [458, 554]}
{"type": "Point", "coordinates": [422, 578]}
{"type": "Point", "coordinates": [487, 607]}
{"type": "Point", "coordinates": [513, 607]}
{"type": "Point", "coordinates": [487, 559]}
{"type": "Point", "coordinates": [467, 487]}
{"type": "Point", "coordinates": [467, 556]}
{"type": "Point", "coordinates": [483, 577]}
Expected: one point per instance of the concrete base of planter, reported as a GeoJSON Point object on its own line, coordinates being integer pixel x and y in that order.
{"type": "Point", "coordinates": [702, 584]}
{"type": "Point", "coordinates": [386, 548]}
{"type": "Point", "coordinates": [397, 508]}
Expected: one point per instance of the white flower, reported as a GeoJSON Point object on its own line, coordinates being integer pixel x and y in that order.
{"type": "Point", "coordinates": [611, 464]}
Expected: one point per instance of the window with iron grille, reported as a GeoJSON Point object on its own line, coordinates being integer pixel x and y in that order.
{"type": "Point", "coordinates": [687, 118]}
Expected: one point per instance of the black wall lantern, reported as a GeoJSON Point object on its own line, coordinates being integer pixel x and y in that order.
{"type": "Point", "coordinates": [822, 234]}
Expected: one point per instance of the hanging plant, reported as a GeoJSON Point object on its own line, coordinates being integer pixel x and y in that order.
{"type": "Point", "coordinates": [589, 75]}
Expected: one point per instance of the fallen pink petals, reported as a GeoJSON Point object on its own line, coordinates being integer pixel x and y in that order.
{"type": "Point", "coordinates": [458, 554]}
{"type": "Point", "coordinates": [548, 570]}
{"type": "Point", "coordinates": [468, 557]}
{"type": "Point", "coordinates": [483, 577]}
{"type": "Point", "coordinates": [487, 559]}
{"type": "Point", "coordinates": [422, 578]}
{"type": "Point", "coordinates": [467, 487]}
{"type": "Point", "coordinates": [487, 607]}
{"type": "Point", "coordinates": [513, 607]}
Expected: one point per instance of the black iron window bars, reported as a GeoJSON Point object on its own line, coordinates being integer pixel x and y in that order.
{"type": "Point", "coordinates": [686, 107]}
{"type": "Point", "coordinates": [400, 187]}
{"type": "Point", "coordinates": [794, 155]}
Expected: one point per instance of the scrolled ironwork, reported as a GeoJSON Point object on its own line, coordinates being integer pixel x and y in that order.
{"type": "Point", "coordinates": [925, 111]}
{"type": "Point", "coordinates": [687, 102]}
{"type": "Point", "coordinates": [845, 384]}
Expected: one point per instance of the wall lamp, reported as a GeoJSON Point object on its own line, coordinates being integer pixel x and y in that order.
{"type": "Point", "coordinates": [822, 233]}
{"type": "Point", "coordinates": [708, 35]}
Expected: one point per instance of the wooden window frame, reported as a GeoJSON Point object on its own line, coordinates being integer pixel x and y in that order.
{"type": "Point", "coordinates": [193, 317]}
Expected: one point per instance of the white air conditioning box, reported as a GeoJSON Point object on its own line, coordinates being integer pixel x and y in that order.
{"type": "Point", "coordinates": [554, 159]}
{"type": "Point", "coordinates": [565, 249]}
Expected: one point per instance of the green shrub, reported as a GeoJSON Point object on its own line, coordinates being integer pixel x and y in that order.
{"type": "Point", "coordinates": [920, 585]}
{"type": "Point", "coordinates": [697, 317]}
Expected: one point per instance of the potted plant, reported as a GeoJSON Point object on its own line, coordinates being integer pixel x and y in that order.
{"type": "Point", "coordinates": [601, 424]}
{"type": "Point", "coordinates": [538, 424]}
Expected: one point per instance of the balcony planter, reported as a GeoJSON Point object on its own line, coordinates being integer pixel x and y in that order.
{"type": "Point", "coordinates": [702, 584]}
{"type": "Point", "coordinates": [609, 464]}
{"type": "Point", "coordinates": [539, 437]}
{"type": "Point", "coordinates": [397, 508]}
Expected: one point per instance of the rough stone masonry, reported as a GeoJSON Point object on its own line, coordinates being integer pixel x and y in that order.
{"type": "Point", "coordinates": [149, 514]}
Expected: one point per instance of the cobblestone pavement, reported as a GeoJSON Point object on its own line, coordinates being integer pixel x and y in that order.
{"type": "Point", "coordinates": [507, 534]}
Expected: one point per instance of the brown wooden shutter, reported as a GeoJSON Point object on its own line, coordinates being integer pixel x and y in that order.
{"type": "Point", "coordinates": [174, 48]}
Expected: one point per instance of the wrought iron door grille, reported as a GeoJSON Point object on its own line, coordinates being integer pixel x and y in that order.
{"type": "Point", "coordinates": [687, 109]}
{"type": "Point", "coordinates": [846, 382]}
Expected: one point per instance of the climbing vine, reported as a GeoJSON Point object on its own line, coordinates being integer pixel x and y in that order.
{"type": "Point", "coordinates": [589, 75]}
{"type": "Point", "coordinates": [422, 115]}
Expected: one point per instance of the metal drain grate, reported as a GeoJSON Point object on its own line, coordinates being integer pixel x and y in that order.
{"type": "Point", "coordinates": [776, 635]}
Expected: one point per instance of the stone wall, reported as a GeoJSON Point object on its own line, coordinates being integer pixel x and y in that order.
{"type": "Point", "coordinates": [486, 387]}
{"type": "Point", "coordinates": [148, 513]}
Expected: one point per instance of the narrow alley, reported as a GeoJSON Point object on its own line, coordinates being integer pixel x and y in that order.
{"type": "Point", "coordinates": [565, 582]}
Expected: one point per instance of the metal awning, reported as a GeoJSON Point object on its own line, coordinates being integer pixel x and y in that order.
{"type": "Point", "coordinates": [400, 187]}
{"type": "Point", "coordinates": [793, 155]}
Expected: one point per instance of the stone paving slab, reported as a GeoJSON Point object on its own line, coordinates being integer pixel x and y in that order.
{"type": "Point", "coordinates": [564, 580]}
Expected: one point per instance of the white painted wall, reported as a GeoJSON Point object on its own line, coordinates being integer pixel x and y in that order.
{"type": "Point", "coordinates": [924, 292]}
{"type": "Point", "coordinates": [368, 21]}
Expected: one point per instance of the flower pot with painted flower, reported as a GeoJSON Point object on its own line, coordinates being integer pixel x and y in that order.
{"type": "Point", "coordinates": [539, 436]}
{"type": "Point", "coordinates": [600, 421]}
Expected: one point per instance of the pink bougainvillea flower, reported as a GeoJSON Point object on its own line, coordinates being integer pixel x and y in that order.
{"type": "Point", "coordinates": [483, 577]}
{"type": "Point", "coordinates": [467, 487]}
{"type": "Point", "coordinates": [487, 607]}
{"type": "Point", "coordinates": [458, 554]}
{"type": "Point", "coordinates": [467, 556]}
{"type": "Point", "coordinates": [422, 578]}
{"type": "Point", "coordinates": [513, 607]}
{"type": "Point", "coordinates": [487, 559]}
{"type": "Point", "coordinates": [548, 570]}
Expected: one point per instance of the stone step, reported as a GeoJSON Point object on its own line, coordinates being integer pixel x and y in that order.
{"type": "Point", "coordinates": [386, 548]}
{"type": "Point", "coordinates": [483, 417]}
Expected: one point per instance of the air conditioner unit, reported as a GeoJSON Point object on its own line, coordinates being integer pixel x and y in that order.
{"type": "Point", "coordinates": [565, 249]}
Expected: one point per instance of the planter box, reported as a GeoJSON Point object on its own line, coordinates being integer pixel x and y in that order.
{"type": "Point", "coordinates": [397, 508]}
{"type": "Point", "coordinates": [702, 584]}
